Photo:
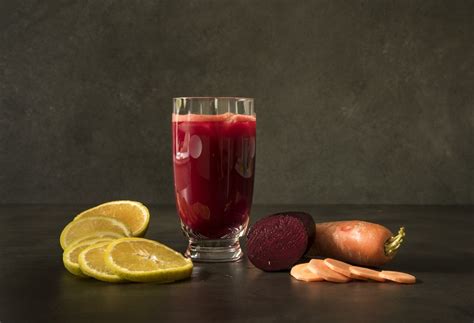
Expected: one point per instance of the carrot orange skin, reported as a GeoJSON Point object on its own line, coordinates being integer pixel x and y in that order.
{"type": "Point", "coordinates": [357, 242]}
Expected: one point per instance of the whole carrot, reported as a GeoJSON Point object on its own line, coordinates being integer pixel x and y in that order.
{"type": "Point", "coordinates": [356, 242]}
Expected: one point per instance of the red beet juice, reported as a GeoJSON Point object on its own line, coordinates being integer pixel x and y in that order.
{"type": "Point", "coordinates": [214, 166]}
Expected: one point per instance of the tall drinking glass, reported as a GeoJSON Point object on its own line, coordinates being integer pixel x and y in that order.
{"type": "Point", "coordinates": [214, 167]}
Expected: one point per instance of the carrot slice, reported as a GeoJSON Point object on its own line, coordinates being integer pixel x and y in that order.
{"type": "Point", "coordinates": [366, 273]}
{"type": "Point", "coordinates": [301, 272]}
{"type": "Point", "coordinates": [341, 268]}
{"type": "Point", "coordinates": [318, 267]}
{"type": "Point", "coordinates": [398, 277]}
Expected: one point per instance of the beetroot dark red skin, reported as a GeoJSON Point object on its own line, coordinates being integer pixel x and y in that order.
{"type": "Point", "coordinates": [276, 242]}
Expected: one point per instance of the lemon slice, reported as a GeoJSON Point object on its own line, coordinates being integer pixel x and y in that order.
{"type": "Point", "coordinates": [134, 214]}
{"type": "Point", "coordinates": [142, 260]}
{"type": "Point", "coordinates": [96, 235]}
{"type": "Point", "coordinates": [92, 263]}
{"type": "Point", "coordinates": [71, 254]}
{"type": "Point", "coordinates": [79, 229]}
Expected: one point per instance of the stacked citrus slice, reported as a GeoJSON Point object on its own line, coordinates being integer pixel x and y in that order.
{"type": "Point", "coordinates": [71, 255]}
{"type": "Point", "coordinates": [102, 242]}
{"type": "Point", "coordinates": [93, 227]}
{"type": "Point", "coordinates": [142, 260]}
{"type": "Point", "coordinates": [134, 215]}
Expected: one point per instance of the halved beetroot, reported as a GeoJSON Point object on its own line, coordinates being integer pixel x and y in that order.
{"type": "Point", "coordinates": [278, 241]}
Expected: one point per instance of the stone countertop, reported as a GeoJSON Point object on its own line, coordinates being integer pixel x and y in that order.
{"type": "Point", "coordinates": [34, 286]}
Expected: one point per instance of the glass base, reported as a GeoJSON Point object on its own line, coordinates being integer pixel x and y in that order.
{"type": "Point", "coordinates": [222, 250]}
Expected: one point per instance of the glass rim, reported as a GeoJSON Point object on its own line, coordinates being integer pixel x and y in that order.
{"type": "Point", "coordinates": [241, 98]}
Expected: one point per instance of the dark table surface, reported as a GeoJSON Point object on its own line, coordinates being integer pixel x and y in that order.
{"type": "Point", "coordinates": [34, 286]}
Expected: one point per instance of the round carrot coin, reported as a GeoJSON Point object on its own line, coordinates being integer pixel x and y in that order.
{"type": "Point", "coordinates": [341, 267]}
{"type": "Point", "coordinates": [366, 273]}
{"type": "Point", "coordinates": [301, 272]}
{"type": "Point", "coordinates": [398, 277]}
{"type": "Point", "coordinates": [318, 267]}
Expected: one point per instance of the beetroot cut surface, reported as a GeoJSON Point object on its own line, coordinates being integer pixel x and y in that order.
{"type": "Point", "coordinates": [278, 241]}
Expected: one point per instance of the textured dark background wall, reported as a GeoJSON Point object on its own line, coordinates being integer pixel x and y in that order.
{"type": "Point", "coordinates": [357, 101]}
